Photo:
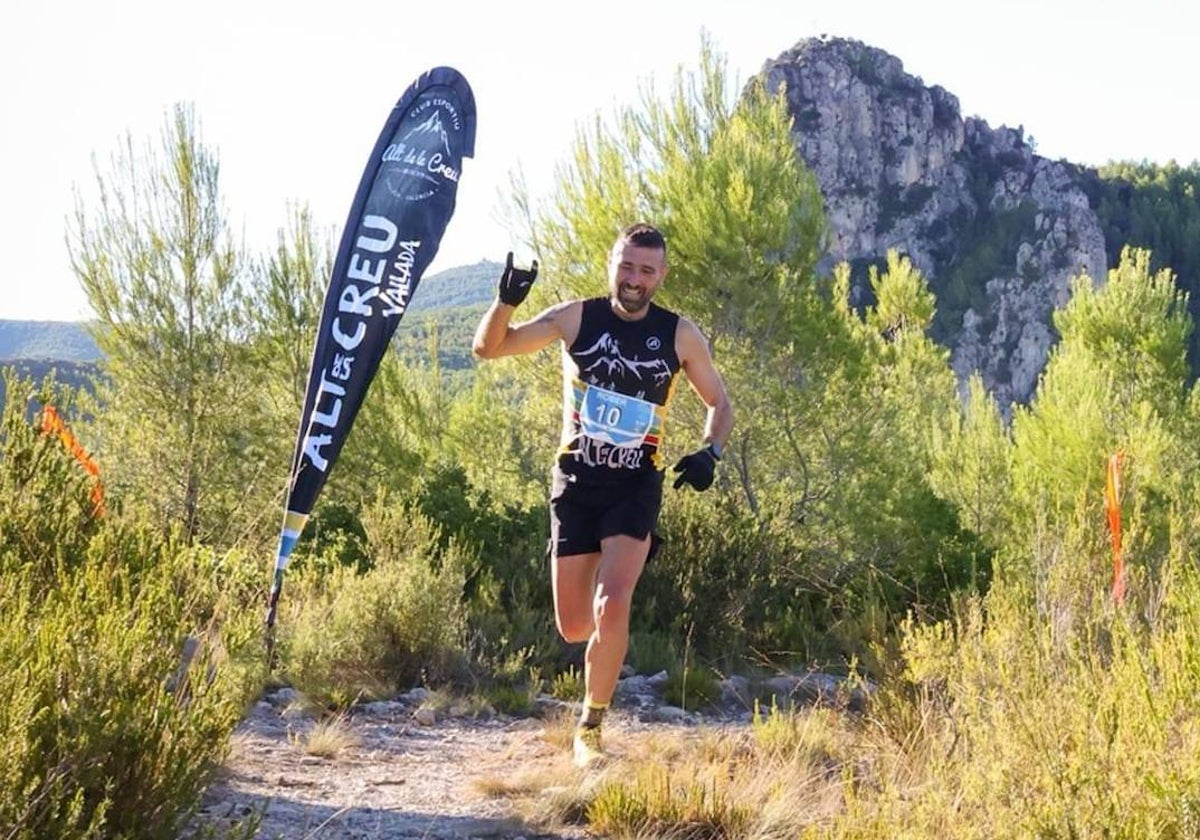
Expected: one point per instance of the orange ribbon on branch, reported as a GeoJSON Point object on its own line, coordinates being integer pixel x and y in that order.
{"type": "Point", "coordinates": [52, 424]}
{"type": "Point", "coordinates": [1112, 503]}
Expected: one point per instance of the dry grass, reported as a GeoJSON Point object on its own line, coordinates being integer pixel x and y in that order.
{"type": "Point", "coordinates": [560, 730]}
{"type": "Point", "coordinates": [525, 784]}
{"type": "Point", "coordinates": [681, 782]}
{"type": "Point", "coordinates": [439, 700]}
{"type": "Point", "coordinates": [998, 726]}
{"type": "Point", "coordinates": [550, 793]}
{"type": "Point", "coordinates": [328, 738]}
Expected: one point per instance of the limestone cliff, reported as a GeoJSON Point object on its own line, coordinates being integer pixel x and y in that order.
{"type": "Point", "coordinates": [997, 230]}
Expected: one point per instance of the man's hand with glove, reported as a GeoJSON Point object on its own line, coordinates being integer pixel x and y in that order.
{"type": "Point", "coordinates": [516, 282]}
{"type": "Point", "coordinates": [697, 469]}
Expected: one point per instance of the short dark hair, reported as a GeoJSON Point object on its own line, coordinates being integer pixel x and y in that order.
{"type": "Point", "coordinates": [644, 236]}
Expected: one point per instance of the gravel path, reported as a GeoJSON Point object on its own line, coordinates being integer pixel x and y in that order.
{"type": "Point", "coordinates": [396, 779]}
{"type": "Point", "coordinates": [404, 772]}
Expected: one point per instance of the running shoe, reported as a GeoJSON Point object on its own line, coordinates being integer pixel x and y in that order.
{"type": "Point", "coordinates": [587, 746]}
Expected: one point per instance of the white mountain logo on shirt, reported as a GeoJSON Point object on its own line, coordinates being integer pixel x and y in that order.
{"type": "Point", "coordinates": [604, 362]}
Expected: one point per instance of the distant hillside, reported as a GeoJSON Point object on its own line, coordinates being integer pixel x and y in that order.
{"type": "Point", "coordinates": [48, 340]}
{"type": "Point", "coordinates": [454, 298]}
{"type": "Point", "coordinates": [468, 285]}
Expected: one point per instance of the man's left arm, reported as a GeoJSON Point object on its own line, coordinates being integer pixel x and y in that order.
{"type": "Point", "coordinates": [696, 361]}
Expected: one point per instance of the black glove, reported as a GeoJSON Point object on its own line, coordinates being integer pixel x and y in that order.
{"type": "Point", "coordinates": [515, 282]}
{"type": "Point", "coordinates": [696, 469]}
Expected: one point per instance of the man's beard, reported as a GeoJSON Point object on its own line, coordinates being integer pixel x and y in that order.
{"type": "Point", "coordinates": [631, 301]}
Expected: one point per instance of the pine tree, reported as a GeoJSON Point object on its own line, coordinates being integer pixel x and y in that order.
{"type": "Point", "coordinates": [164, 276]}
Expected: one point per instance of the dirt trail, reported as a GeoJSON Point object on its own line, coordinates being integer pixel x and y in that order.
{"type": "Point", "coordinates": [406, 772]}
{"type": "Point", "coordinates": [399, 779]}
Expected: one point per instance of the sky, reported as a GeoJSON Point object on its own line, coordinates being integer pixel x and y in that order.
{"type": "Point", "coordinates": [291, 95]}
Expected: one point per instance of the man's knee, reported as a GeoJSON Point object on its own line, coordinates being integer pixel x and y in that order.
{"type": "Point", "coordinates": [574, 581]}
{"type": "Point", "coordinates": [611, 608]}
{"type": "Point", "coordinates": [575, 628]}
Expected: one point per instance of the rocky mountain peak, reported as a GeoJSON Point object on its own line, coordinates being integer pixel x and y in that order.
{"type": "Point", "coordinates": [997, 230]}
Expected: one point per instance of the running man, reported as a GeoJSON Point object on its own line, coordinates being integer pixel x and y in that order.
{"type": "Point", "coordinates": [621, 355]}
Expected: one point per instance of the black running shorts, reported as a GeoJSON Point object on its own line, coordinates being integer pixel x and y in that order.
{"type": "Point", "coordinates": [583, 514]}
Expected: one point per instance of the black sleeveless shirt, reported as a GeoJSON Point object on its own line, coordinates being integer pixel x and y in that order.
{"type": "Point", "coordinates": [618, 377]}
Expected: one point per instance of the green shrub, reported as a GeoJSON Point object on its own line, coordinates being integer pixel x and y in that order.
{"type": "Point", "coordinates": [808, 736]}
{"type": "Point", "coordinates": [47, 517]}
{"type": "Point", "coordinates": [651, 652]}
{"type": "Point", "coordinates": [710, 582]}
{"type": "Point", "coordinates": [351, 634]}
{"type": "Point", "coordinates": [1048, 728]}
{"type": "Point", "coordinates": [510, 611]}
{"type": "Point", "coordinates": [93, 743]}
{"type": "Point", "coordinates": [568, 684]}
{"type": "Point", "coordinates": [103, 730]}
{"type": "Point", "coordinates": [511, 699]}
{"type": "Point", "coordinates": [692, 688]}
{"type": "Point", "coordinates": [513, 687]}
{"type": "Point", "coordinates": [653, 804]}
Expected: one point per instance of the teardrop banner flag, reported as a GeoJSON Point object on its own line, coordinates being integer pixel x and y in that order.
{"type": "Point", "coordinates": [404, 202]}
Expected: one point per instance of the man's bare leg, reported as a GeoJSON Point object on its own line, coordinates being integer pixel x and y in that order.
{"type": "Point", "coordinates": [593, 594]}
{"type": "Point", "coordinates": [622, 559]}
{"type": "Point", "coordinates": [573, 582]}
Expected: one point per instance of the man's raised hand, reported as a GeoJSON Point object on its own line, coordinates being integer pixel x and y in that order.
{"type": "Point", "coordinates": [516, 282]}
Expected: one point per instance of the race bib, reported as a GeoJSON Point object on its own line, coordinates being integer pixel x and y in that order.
{"type": "Point", "coordinates": [614, 418]}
